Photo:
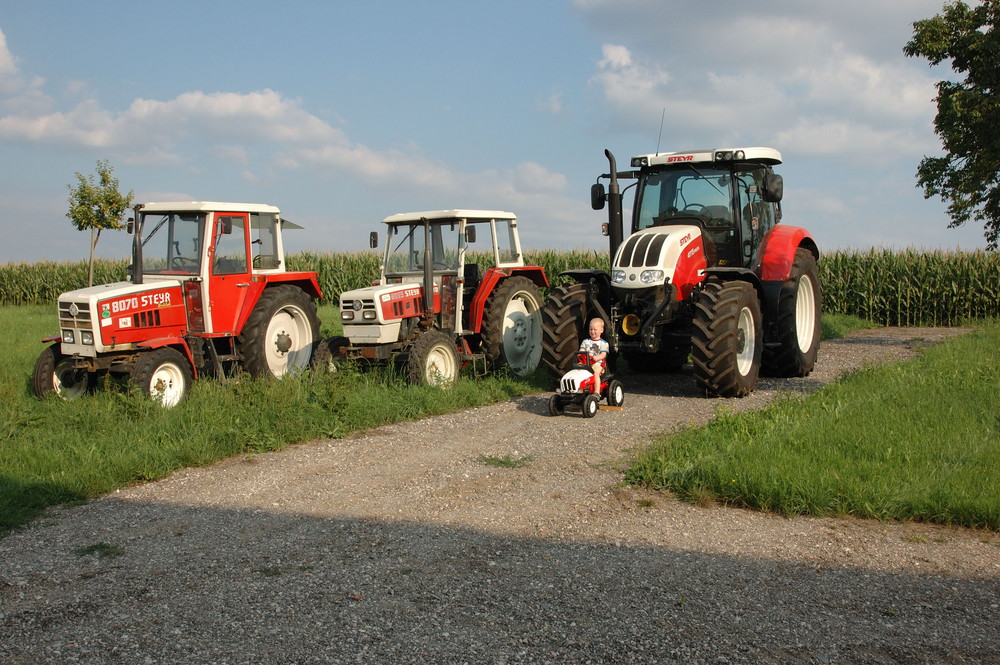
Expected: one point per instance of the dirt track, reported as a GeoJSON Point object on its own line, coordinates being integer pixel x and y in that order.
{"type": "Point", "coordinates": [398, 544]}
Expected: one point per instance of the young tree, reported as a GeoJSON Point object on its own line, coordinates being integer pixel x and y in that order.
{"type": "Point", "coordinates": [968, 115]}
{"type": "Point", "coordinates": [97, 206]}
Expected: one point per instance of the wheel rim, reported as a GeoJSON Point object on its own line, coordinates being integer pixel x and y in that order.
{"type": "Point", "coordinates": [522, 333]}
{"type": "Point", "coordinates": [440, 368]}
{"type": "Point", "coordinates": [68, 381]}
{"type": "Point", "coordinates": [805, 313]}
{"type": "Point", "coordinates": [619, 395]}
{"type": "Point", "coordinates": [289, 341]}
{"type": "Point", "coordinates": [745, 342]}
{"type": "Point", "coordinates": [166, 385]}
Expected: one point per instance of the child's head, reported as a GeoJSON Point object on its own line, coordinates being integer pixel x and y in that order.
{"type": "Point", "coordinates": [596, 328]}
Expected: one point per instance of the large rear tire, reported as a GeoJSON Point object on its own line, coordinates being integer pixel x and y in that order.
{"type": "Point", "coordinates": [800, 304]}
{"type": "Point", "coordinates": [728, 339]}
{"type": "Point", "coordinates": [564, 327]}
{"type": "Point", "coordinates": [280, 333]}
{"type": "Point", "coordinates": [164, 375]}
{"type": "Point", "coordinates": [433, 360]}
{"type": "Point", "coordinates": [512, 326]}
{"type": "Point", "coordinates": [54, 374]}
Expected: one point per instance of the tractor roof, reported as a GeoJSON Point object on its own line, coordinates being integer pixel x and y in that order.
{"type": "Point", "coordinates": [756, 154]}
{"type": "Point", "coordinates": [445, 215]}
{"type": "Point", "coordinates": [208, 206]}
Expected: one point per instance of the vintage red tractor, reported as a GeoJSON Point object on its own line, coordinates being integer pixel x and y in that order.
{"type": "Point", "coordinates": [434, 310]}
{"type": "Point", "coordinates": [208, 294]}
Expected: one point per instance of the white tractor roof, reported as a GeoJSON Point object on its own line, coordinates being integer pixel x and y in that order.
{"type": "Point", "coordinates": [208, 206]}
{"type": "Point", "coordinates": [468, 215]}
{"type": "Point", "coordinates": [755, 154]}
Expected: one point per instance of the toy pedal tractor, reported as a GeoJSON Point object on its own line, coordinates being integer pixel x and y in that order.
{"type": "Point", "coordinates": [576, 390]}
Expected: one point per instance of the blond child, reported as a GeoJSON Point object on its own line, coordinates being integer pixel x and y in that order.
{"type": "Point", "coordinates": [596, 349]}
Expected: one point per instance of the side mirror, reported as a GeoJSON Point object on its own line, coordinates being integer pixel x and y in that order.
{"type": "Point", "coordinates": [773, 188]}
{"type": "Point", "coordinates": [470, 234]}
{"type": "Point", "coordinates": [226, 226]}
{"type": "Point", "coordinates": [130, 225]}
{"type": "Point", "coordinates": [597, 196]}
{"type": "Point", "coordinates": [373, 239]}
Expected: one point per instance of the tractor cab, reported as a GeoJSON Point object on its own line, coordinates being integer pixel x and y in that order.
{"type": "Point", "coordinates": [214, 250]}
{"type": "Point", "coordinates": [434, 308]}
{"type": "Point", "coordinates": [730, 195]}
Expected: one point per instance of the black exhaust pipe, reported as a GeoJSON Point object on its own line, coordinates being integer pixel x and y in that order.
{"type": "Point", "coordinates": [615, 227]}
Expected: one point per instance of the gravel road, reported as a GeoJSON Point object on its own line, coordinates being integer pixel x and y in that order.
{"type": "Point", "coordinates": [398, 545]}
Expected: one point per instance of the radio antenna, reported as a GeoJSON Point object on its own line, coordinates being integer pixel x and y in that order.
{"type": "Point", "coordinates": [660, 136]}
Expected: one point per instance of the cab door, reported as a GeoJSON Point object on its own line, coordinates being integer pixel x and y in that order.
{"type": "Point", "coordinates": [229, 271]}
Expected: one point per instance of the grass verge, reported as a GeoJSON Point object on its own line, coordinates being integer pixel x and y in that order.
{"type": "Point", "coordinates": [913, 441]}
{"type": "Point", "coordinates": [55, 452]}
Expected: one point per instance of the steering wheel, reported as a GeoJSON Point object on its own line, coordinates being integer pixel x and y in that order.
{"type": "Point", "coordinates": [697, 207]}
{"type": "Point", "coordinates": [183, 263]}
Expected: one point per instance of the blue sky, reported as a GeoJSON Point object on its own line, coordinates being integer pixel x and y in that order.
{"type": "Point", "coordinates": [342, 113]}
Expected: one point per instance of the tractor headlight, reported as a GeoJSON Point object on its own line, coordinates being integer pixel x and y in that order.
{"type": "Point", "coordinates": [87, 337]}
{"type": "Point", "coordinates": [651, 276]}
{"type": "Point", "coordinates": [369, 315]}
{"type": "Point", "coordinates": [618, 276]}
{"type": "Point", "coordinates": [67, 336]}
{"type": "Point", "coordinates": [346, 315]}
{"type": "Point", "coordinates": [640, 162]}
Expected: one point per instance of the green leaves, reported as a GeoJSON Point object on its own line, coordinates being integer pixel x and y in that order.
{"type": "Point", "coordinates": [98, 205]}
{"type": "Point", "coordinates": [968, 178]}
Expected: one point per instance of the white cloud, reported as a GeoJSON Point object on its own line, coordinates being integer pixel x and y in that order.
{"type": "Point", "coordinates": [10, 81]}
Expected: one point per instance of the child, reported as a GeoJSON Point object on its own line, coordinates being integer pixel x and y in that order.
{"type": "Point", "coordinates": [597, 351]}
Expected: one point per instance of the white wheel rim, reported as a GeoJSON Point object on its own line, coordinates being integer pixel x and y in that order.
{"type": "Point", "coordinates": [805, 313]}
{"type": "Point", "coordinates": [522, 333]}
{"type": "Point", "coordinates": [591, 406]}
{"type": "Point", "coordinates": [69, 382]}
{"type": "Point", "coordinates": [289, 341]}
{"type": "Point", "coordinates": [166, 386]}
{"type": "Point", "coordinates": [746, 341]}
{"type": "Point", "coordinates": [619, 395]}
{"type": "Point", "coordinates": [440, 367]}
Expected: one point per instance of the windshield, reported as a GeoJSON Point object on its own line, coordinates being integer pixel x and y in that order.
{"type": "Point", "coordinates": [405, 252]}
{"type": "Point", "coordinates": [685, 196]}
{"type": "Point", "coordinates": [172, 245]}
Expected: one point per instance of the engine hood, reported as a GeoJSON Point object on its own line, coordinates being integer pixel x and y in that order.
{"type": "Point", "coordinates": [660, 255]}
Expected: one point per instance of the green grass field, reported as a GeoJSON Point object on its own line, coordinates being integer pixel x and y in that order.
{"type": "Point", "coordinates": [54, 452]}
{"type": "Point", "coordinates": [914, 441]}
{"type": "Point", "coordinates": [918, 441]}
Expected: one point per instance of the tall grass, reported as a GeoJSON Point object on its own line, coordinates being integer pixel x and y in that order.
{"type": "Point", "coordinates": [889, 288]}
{"type": "Point", "coordinates": [915, 441]}
{"type": "Point", "coordinates": [912, 288]}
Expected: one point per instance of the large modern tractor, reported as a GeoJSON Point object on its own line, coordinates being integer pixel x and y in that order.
{"type": "Point", "coordinates": [707, 273]}
{"type": "Point", "coordinates": [208, 294]}
{"type": "Point", "coordinates": [432, 309]}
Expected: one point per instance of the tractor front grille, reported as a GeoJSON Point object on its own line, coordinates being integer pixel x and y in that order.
{"type": "Point", "coordinates": [80, 320]}
{"type": "Point", "coordinates": [642, 250]}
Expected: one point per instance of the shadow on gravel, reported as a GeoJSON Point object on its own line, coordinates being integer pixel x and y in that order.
{"type": "Point", "coordinates": [201, 585]}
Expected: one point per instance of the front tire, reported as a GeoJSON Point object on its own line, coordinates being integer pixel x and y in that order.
{"type": "Point", "coordinates": [327, 354]}
{"type": "Point", "coordinates": [590, 405]}
{"type": "Point", "coordinates": [433, 360]}
{"type": "Point", "coordinates": [512, 326]}
{"type": "Point", "coordinates": [800, 304]}
{"type": "Point", "coordinates": [564, 326]}
{"type": "Point", "coordinates": [280, 333]}
{"type": "Point", "coordinates": [556, 407]}
{"type": "Point", "coordinates": [54, 374]}
{"type": "Point", "coordinates": [164, 375]}
{"type": "Point", "coordinates": [728, 339]}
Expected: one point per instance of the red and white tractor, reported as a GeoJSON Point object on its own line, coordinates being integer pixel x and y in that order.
{"type": "Point", "coordinates": [576, 390]}
{"type": "Point", "coordinates": [707, 272]}
{"type": "Point", "coordinates": [208, 294]}
{"type": "Point", "coordinates": [434, 311]}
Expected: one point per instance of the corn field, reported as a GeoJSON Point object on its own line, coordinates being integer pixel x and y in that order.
{"type": "Point", "coordinates": [888, 288]}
